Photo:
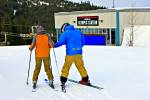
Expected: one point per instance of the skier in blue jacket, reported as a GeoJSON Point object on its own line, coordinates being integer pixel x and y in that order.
{"type": "Point", "coordinates": [74, 41]}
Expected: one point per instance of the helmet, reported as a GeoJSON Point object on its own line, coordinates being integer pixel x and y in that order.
{"type": "Point", "coordinates": [64, 26]}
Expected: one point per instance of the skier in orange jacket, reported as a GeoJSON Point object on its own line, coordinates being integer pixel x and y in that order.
{"type": "Point", "coordinates": [42, 43]}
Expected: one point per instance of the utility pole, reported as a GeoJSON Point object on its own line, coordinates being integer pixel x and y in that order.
{"type": "Point", "coordinates": [5, 37]}
{"type": "Point", "coordinates": [34, 29]}
{"type": "Point", "coordinates": [113, 4]}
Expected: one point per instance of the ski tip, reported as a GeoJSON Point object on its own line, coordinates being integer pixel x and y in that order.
{"type": "Point", "coordinates": [27, 83]}
{"type": "Point", "coordinates": [64, 91]}
{"type": "Point", "coordinates": [101, 87]}
{"type": "Point", "coordinates": [34, 90]}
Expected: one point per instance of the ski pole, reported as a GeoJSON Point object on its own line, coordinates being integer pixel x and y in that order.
{"type": "Point", "coordinates": [29, 67]}
{"type": "Point", "coordinates": [56, 62]}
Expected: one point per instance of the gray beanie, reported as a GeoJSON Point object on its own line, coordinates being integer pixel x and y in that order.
{"type": "Point", "coordinates": [41, 30]}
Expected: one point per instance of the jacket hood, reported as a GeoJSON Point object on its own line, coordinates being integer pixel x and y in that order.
{"type": "Point", "coordinates": [69, 27]}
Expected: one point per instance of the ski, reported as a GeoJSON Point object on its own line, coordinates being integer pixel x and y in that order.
{"type": "Point", "coordinates": [90, 85]}
{"type": "Point", "coordinates": [63, 88]}
{"type": "Point", "coordinates": [46, 81]}
{"type": "Point", "coordinates": [34, 90]}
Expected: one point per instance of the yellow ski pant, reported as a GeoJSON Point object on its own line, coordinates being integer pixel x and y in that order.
{"type": "Point", "coordinates": [77, 59]}
{"type": "Point", "coordinates": [48, 70]}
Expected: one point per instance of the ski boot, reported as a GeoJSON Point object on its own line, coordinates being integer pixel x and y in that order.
{"type": "Point", "coordinates": [84, 83]}
{"type": "Point", "coordinates": [34, 84]}
{"type": "Point", "coordinates": [63, 87]}
{"type": "Point", "coordinates": [85, 80]}
{"type": "Point", "coordinates": [51, 84]}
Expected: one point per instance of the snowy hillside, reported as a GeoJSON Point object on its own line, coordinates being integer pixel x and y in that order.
{"type": "Point", "coordinates": [124, 73]}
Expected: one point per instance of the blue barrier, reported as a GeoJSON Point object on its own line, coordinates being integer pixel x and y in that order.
{"type": "Point", "coordinates": [95, 39]}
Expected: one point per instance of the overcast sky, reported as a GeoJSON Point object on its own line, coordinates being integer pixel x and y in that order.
{"type": "Point", "coordinates": [119, 3]}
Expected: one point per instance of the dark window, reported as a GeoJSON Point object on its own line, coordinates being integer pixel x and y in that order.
{"type": "Point", "coordinates": [113, 32]}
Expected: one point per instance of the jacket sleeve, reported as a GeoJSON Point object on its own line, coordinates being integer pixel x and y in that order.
{"type": "Point", "coordinates": [50, 42]}
{"type": "Point", "coordinates": [62, 40]}
{"type": "Point", "coordinates": [32, 46]}
{"type": "Point", "coordinates": [82, 39]}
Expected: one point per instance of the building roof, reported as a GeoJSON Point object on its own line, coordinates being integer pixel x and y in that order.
{"type": "Point", "coordinates": [129, 9]}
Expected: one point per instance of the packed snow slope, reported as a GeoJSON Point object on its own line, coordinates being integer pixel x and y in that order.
{"type": "Point", "coordinates": [123, 72]}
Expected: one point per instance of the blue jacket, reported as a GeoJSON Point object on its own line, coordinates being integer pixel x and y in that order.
{"type": "Point", "coordinates": [73, 39]}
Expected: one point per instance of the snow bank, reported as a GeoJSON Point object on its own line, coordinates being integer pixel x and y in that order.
{"type": "Point", "coordinates": [1, 77]}
{"type": "Point", "coordinates": [141, 36]}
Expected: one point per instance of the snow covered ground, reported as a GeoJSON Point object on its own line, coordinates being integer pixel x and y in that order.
{"type": "Point", "coordinates": [123, 72]}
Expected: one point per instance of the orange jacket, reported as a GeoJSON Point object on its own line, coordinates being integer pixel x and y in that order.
{"type": "Point", "coordinates": [43, 43]}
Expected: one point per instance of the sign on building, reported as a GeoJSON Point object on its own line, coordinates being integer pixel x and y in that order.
{"type": "Point", "coordinates": [87, 20]}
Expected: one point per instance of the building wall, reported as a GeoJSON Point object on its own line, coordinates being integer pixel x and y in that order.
{"type": "Point", "coordinates": [107, 18]}
{"type": "Point", "coordinates": [135, 18]}
{"type": "Point", "coordinates": [61, 19]}
{"type": "Point", "coordinates": [107, 21]}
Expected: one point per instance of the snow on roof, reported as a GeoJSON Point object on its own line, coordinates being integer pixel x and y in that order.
{"type": "Point", "coordinates": [106, 10]}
